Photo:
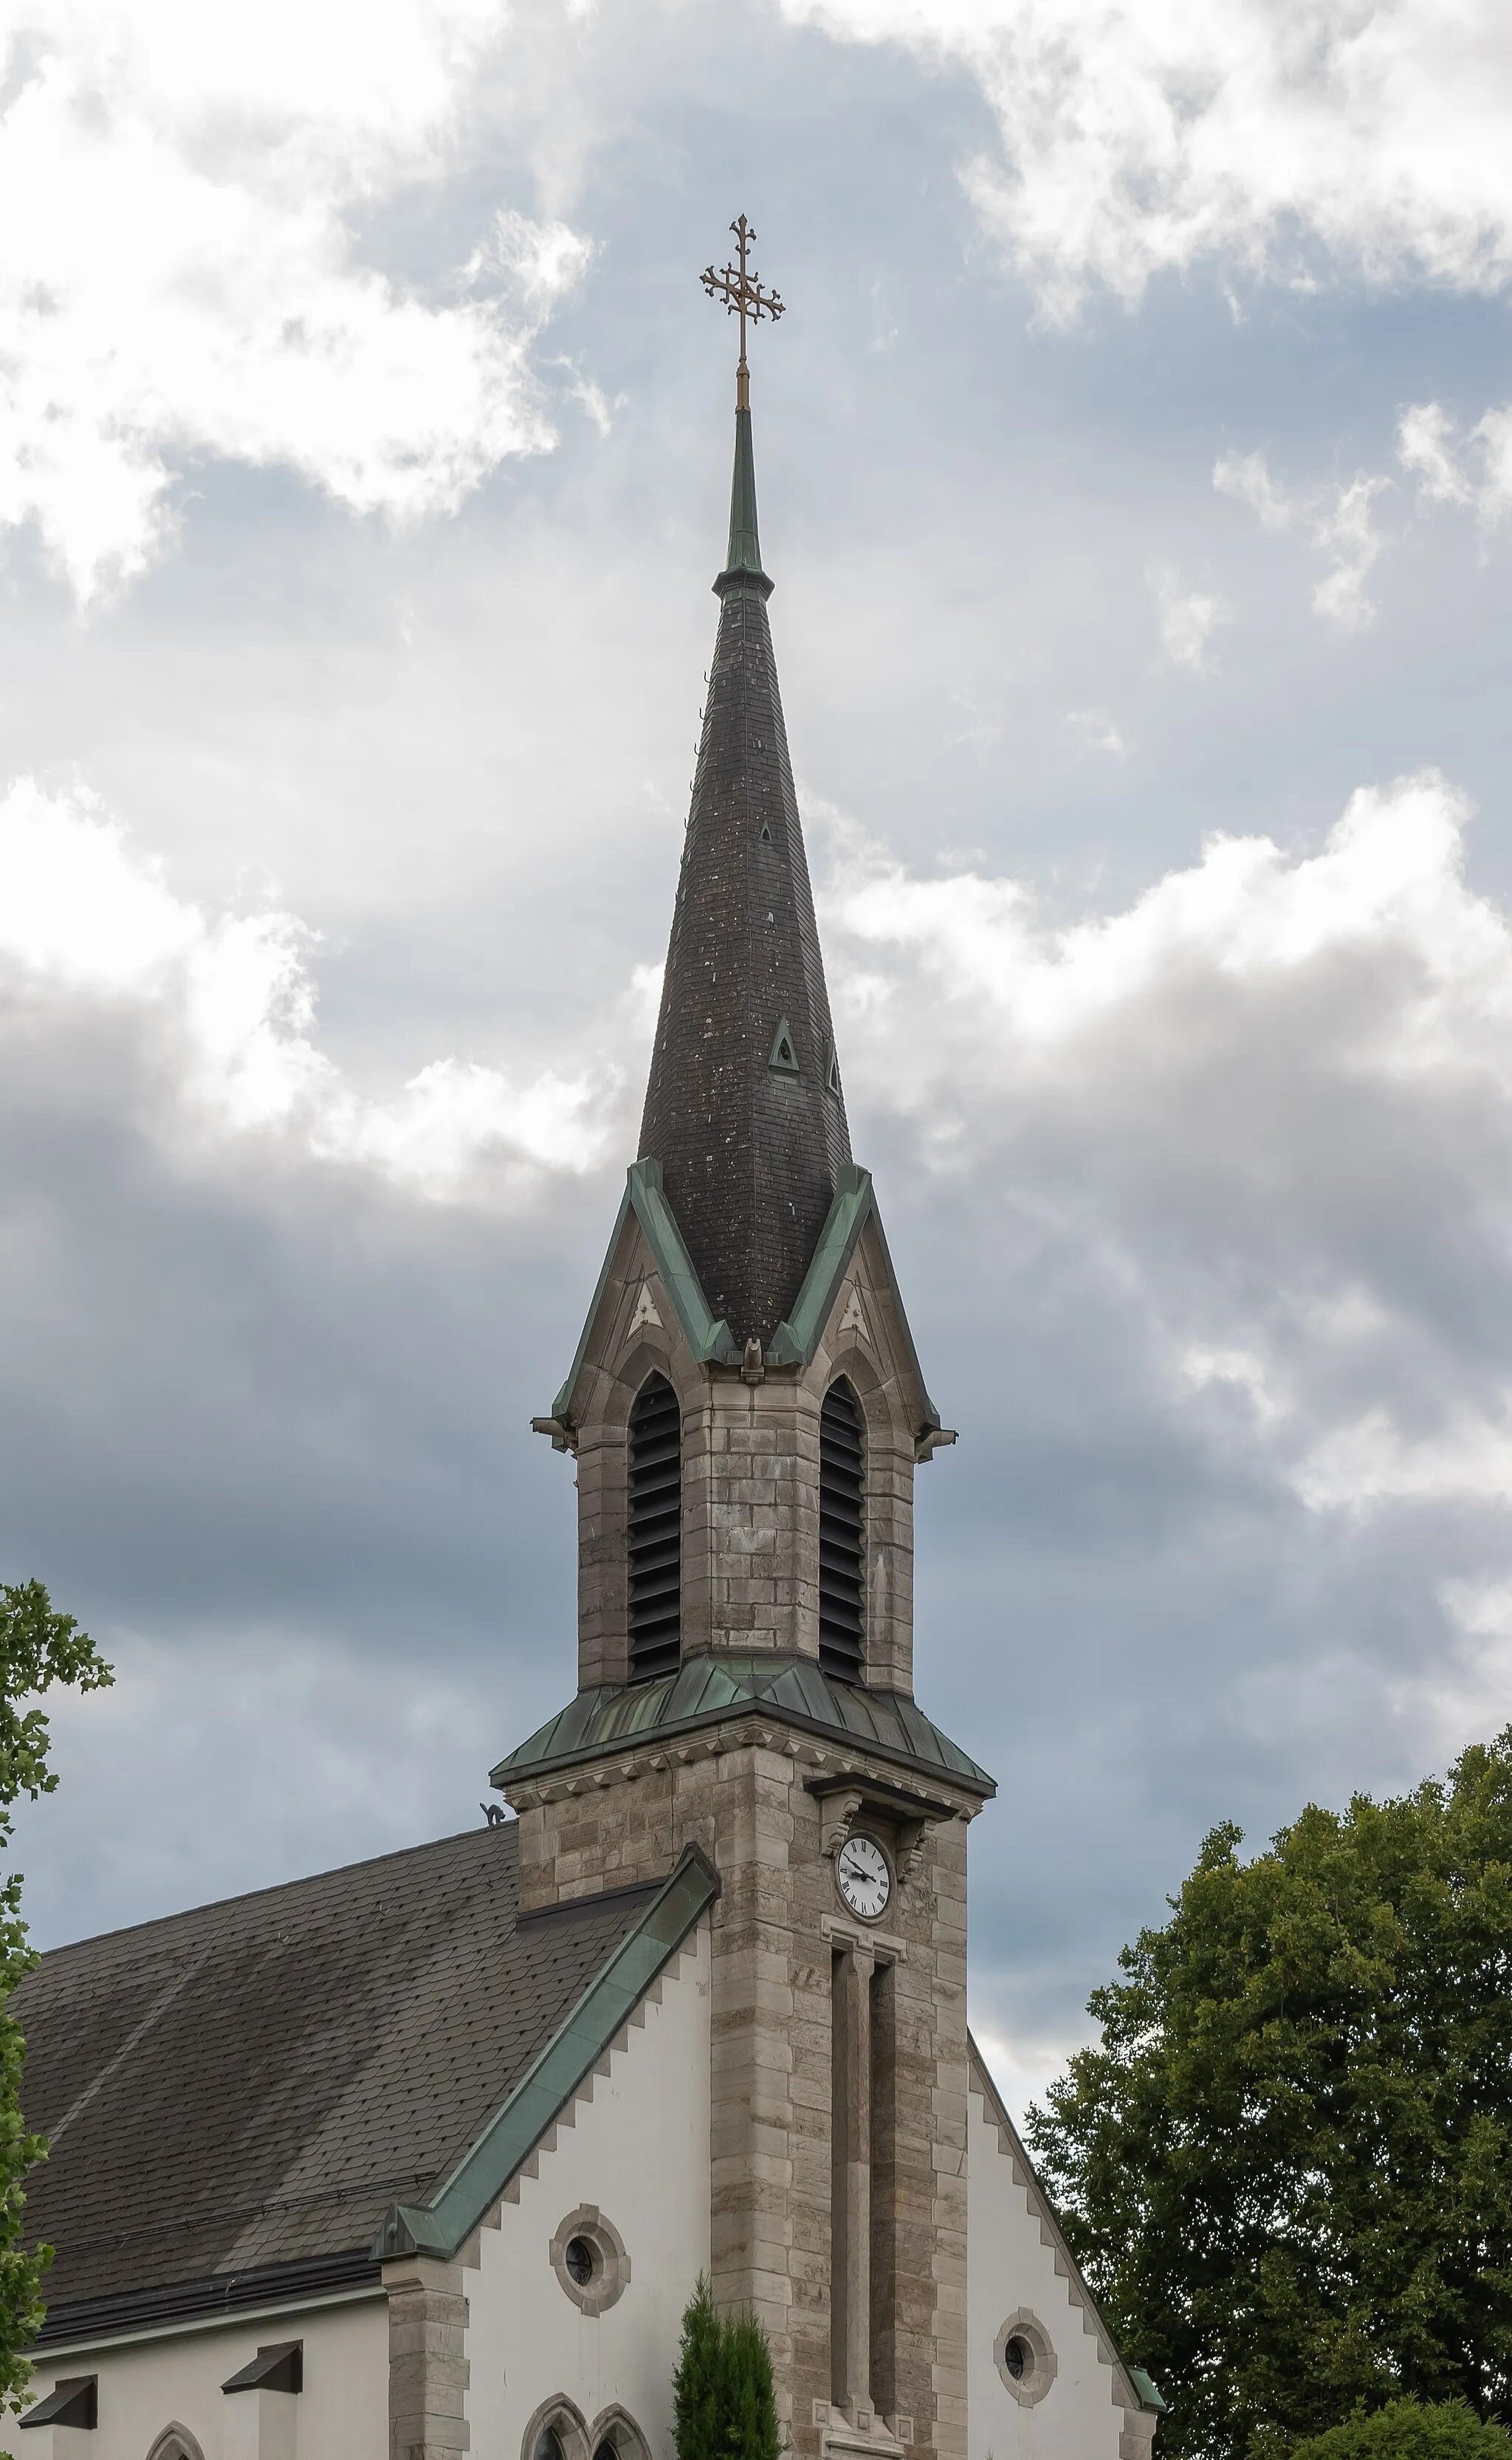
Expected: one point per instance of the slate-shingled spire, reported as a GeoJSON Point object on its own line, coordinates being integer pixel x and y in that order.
{"type": "Point", "coordinates": [744, 1110]}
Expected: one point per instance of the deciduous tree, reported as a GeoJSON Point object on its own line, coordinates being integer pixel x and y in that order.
{"type": "Point", "coordinates": [39, 1650]}
{"type": "Point", "coordinates": [1286, 2166]}
{"type": "Point", "coordinates": [1411, 2429]}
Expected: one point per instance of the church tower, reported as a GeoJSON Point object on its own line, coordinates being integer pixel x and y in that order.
{"type": "Point", "coordinates": [746, 1411]}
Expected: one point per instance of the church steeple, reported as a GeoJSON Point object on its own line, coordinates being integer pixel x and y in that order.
{"type": "Point", "coordinates": [746, 1404]}
{"type": "Point", "coordinates": [744, 1110]}
{"type": "Point", "coordinates": [747, 1412]}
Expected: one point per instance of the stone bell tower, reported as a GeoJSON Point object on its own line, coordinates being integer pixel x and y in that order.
{"type": "Point", "coordinates": [746, 1411]}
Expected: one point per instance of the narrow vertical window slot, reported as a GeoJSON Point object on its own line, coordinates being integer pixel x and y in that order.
{"type": "Point", "coordinates": [850, 2184]}
{"type": "Point", "coordinates": [884, 2189]}
{"type": "Point", "coordinates": [839, 2183]}
{"type": "Point", "coordinates": [655, 1543]}
{"type": "Point", "coordinates": [841, 1535]}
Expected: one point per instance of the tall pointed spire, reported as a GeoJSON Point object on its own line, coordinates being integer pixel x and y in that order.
{"type": "Point", "coordinates": [744, 1109]}
{"type": "Point", "coordinates": [744, 559]}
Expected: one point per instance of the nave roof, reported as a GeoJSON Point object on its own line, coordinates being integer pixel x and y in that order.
{"type": "Point", "coordinates": [239, 2094]}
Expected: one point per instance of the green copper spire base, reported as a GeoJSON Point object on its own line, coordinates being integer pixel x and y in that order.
{"type": "Point", "coordinates": [744, 563]}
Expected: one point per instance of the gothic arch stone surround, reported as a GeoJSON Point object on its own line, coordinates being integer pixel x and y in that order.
{"type": "Point", "coordinates": [616, 2426]}
{"type": "Point", "coordinates": [563, 2415]}
{"type": "Point", "coordinates": [175, 2443]}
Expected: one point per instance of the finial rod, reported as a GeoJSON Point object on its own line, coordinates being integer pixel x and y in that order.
{"type": "Point", "coordinates": [743, 296]}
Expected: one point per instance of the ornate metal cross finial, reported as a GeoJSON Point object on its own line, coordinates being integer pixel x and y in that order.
{"type": "Point", "coordinates": [743, 296]}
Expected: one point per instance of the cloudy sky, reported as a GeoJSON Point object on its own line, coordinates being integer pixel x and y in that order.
{"type": "Point", "coordinates": [1136, 467]}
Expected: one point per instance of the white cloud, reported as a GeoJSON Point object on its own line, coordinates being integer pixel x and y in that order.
{"type": "Point", "coordinates": [178, 187]}
{"type": "Point", "coordinates": [1347, 533]}
{"type": "Point", "coordinates": [1272, 1097]}
{"type": "Point", "coordinates": [1247, 478]}
{"type": "Point", "coordinates": [1098, 731]}
{"type": "Point", "coordinates": [1187, 618]}
{"type": "Point", "coordinates": [83, 916]}
{"type": "Point", "coordinates": [1141, 136]}
{"type": "Point", "coordinates": [1374, 1460]}
{"type": "Point", "coordinates": [1339, 520]}
{"type": "Point", "coordinates": [1425, 450]}
{"type": "Point", "coordinates": [1475, 471]}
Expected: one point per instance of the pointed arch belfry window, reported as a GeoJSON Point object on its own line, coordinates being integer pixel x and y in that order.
{"type": "Point", "coordinates": [842, 1534]}
{"type": "Point", "coordinates": [654, 1530]}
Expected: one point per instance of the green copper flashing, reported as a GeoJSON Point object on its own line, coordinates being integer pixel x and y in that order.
{"type": "Point", "coordinates": [707, 1337]}
{"type": "Point", "coordinates": [743, 563]}
{"type": "Point", "coordinates": [795, 1341]}
{"type": "Point", "coordinates": [706, 1690]}
{"type": "Point", "coordinates": [450, 2215]}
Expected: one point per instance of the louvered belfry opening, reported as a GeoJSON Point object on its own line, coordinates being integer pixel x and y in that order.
{"type": "Point", "coordinates": [841, 1550]}
{"type": "Point", "coordinates": [655, 1531]}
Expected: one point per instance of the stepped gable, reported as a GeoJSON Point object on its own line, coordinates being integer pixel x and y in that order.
{"type": "Point", "coordinates": [744, 1110]}
{"type": "Point", "coordinates": [237, 2095]}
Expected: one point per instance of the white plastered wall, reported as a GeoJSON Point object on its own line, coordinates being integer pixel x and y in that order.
{"type": "Point", "coordinates": [1014, 2264]}
{"type": "Point", "coordinates": [635, 2144]}
{"type": "Point", "coordinates": [146, 2385]}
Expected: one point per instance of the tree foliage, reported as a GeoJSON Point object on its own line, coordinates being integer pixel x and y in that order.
{"type": "Point", "coordinates": [724, 2401]}
{"type": "Point", "coordinates": [1287, 2167]}
{"type": "Point", "coordinates": [1410, 2429]}
{"type": "Point", "coordinates": [39, 1650]}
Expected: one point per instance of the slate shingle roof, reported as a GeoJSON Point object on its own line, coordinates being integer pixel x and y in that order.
{"type": "Point", "coordinates": [254, 2082]}
{"type": "Point", "coordinates": [749, 1152]}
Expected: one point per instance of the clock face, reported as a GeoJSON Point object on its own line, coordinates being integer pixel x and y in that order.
{"type": "Point", "coordinates": [866, 1882]}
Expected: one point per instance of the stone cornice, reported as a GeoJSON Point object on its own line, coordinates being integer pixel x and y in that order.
{"type": "Point", "coordinates": [592, 1773]}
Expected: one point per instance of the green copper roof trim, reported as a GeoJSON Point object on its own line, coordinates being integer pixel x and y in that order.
{"type": "Point", "coordinates": [707, 1336]}
{"type": "Point", "coordinates": [439, 2226]}
{"type": "Point", "coordinates": [705, 1690]}
{"type": "Point", "coordinates": [743, 563]}
{"type": "Point", "coordinates": [795, 1341]}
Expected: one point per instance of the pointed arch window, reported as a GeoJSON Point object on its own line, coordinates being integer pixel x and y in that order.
{"type": "Point", "coordinates": [841, 1534]}
{"type": "Point", "coordinates": [655, 1538]}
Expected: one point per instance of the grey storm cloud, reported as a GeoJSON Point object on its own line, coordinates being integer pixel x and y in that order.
{"type": "Point", "coordinates": [1198, 1205]}
{"type": "Point", "coordinates": [343, 755]}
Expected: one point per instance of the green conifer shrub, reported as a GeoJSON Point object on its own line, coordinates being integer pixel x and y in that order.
{"type": "Point", "coordinates": [695, 2385]}
{"type": "Point", "coordinates": [753, 2429]}
{"type": "Point", "coordinates": [724, 2401]}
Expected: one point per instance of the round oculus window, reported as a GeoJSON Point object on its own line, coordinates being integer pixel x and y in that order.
{"type": "Point", "coordinates": [864, 1878]}
{"type": "Point", "coordinates": [1018, 2359]}
{"type": "Point", "coordinates": [581, 2259]}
